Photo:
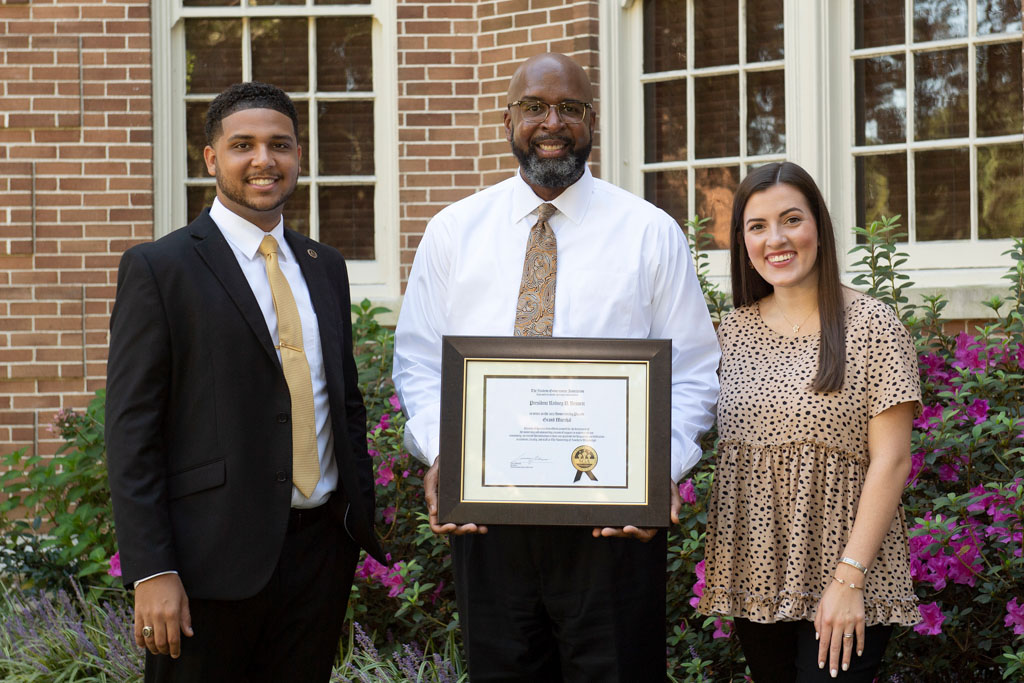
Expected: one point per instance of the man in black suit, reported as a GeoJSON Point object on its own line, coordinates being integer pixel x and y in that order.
{"type": "Point", "coordinates": [236, 433]}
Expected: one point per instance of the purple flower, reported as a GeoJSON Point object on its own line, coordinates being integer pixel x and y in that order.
{"type": "Point", "coordinates": [935, 369]}
{"type": "Point", "coordinates": [916, 465]}
{"type": "Point", "coordinates": [932, 618]}
{"type": "Point", "coordinates": [384, 476]}
{"type": "Point", "coordinates": [115, 564]}
{"type": "Point", "coordinates": [949, 471]}
{"type": "Point", "coordinates": [978, 410]}
{"type": "Point", "coordinates": [389, 514]}
{"type": "Point", "coordinates": [968, 352]}
{"type": "Point", "coordinates": [930, 417]}
{"type": "Point", "coordinates": [723, 629]}
{"type": "Point", "coordinates": [393, 400]}
{"type": "Point", "coordinates": [687, 492]}
{"type": "Point", "coordinates": [1015, 617]}
{"type": "Point", "coordinates": [698, 588]}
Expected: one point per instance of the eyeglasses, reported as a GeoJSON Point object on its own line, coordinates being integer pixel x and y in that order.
{"type": "Point", "coordinates": [535, 111]}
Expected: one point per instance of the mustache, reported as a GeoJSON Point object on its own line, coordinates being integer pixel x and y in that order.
{"type": "Point", "coordinates": [565, 140]}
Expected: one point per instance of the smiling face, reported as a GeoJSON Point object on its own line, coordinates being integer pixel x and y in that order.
{"type": "Point", "coordinates": [781, 237]}
{"type": "Point", "coordinates": [256, 162]}
{"type": "Point", "coordinates": [552, 153]}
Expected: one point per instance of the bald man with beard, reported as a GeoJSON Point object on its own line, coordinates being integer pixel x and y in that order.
{"type": "Point", "coordinates": [557, 603]}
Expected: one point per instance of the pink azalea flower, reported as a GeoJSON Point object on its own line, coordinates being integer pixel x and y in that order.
{"type": "Point", "coordinates": [1015, 617]}
{"type": "Point", "coordinates": [1019, 356]}
{"type": "Point", "coordinates": [371, 568]}
{"type": "Point", "coordinates": [932, 618]}
{"type": "Point", "coordinates": [405, 474]}
{"type": "Point", "coordinates": [389, 514]}
{"type": "Point", "coordinates": [385, 422]}
{"type": "Point", "coordinates": [698, 588]}
{"type": "Point", "coordinates": [949, 472]}
{"type": "Point", "coordinates": [384, 476]}
{"type": "Point", "coordinates": [437, 591]}
{"type": "Point", "coordinates": [916, 465]}
{"type": "Point", "coordinates": [723, 629]}
{"type": "Point", "coordinates": [968, 352]}
{"type": "Point", "coordinates": [687, 492]}
{"type": "Point", "coordinates": [115, 564]}
{"type": "Point", "coordinates": [978, 410]}
{"type": "Point", "coordinates": [934, 367]}
{"type": "Point", "coordinates": [393, 400]}
{"type": "Point", "coordinates": [930, 417]}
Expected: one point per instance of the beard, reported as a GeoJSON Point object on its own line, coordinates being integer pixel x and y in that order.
{"type": "Point", "coordinates": [236, 192]}
{"type": "Point", "coordinates": [551, 173]}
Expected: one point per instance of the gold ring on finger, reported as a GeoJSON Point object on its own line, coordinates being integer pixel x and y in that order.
{"type": "Point", "coordinates": [147, 631]}
{"type": "Point", "coordinates": [847, 635]}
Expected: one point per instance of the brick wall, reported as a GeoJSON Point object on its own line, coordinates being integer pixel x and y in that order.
{"type": "Point", "coordinates": [75, 192]}
{"type": "Point", "coordinates": [455, 61]}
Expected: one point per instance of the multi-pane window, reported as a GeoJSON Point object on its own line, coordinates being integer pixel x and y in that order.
{"type": "Point", "coordinates": [714, 102]}
{"type": "Point", "coordinates": [938, 120]}
{"type": "Point", "coordinates": [322, 53]}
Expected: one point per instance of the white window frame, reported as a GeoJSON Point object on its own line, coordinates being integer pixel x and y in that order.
{"type": "Point", "coordinates": [820, 128]}
{"type": "Point", "coordinates": [376, 279]}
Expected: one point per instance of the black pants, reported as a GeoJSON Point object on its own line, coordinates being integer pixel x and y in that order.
{"type": "Point", "coordinates": [289, 631]}
{"type": "Point", "coordinates": [553, 604]}
{"type": "Point", "coordinates": [787, 651]}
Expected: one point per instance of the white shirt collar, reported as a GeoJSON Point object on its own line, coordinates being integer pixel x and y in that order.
{"type": "Point", "coordinates": [572, 203]}
{"type": "Point", "coordinates": [245, 236]}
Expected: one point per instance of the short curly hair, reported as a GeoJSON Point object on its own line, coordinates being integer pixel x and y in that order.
{"type": "Point", "coordinates": [251, 95]}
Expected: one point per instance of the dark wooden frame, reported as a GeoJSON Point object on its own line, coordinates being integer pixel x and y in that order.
{"type": "Point", "coordinates": [657, 353]}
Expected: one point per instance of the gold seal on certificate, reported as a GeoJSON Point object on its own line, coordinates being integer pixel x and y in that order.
{"type": "Point", "coordinates": [584, 459]}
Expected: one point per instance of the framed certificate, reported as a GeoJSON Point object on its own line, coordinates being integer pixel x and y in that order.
{"type": "Point", "coordinates": [555, 430]}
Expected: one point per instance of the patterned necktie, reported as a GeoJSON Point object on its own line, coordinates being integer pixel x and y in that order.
{"type": "Point", "coordinates": [305, 458]}
{"type": "Point", "coordinates": [535, 311]}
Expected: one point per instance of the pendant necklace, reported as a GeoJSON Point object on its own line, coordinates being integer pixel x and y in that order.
{"type": "Point", "coordinates": [796, 327]}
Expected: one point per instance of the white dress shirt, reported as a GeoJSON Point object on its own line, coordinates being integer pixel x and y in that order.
{"type": "Point", "coordinates": [244, 239]}
{"type": "Point", "coordinates": [624, 270]}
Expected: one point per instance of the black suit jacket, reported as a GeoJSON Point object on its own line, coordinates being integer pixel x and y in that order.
{"type": "Point", "coordinates": [197, 414]}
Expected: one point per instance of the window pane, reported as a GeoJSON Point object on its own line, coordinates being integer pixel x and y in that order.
{"type": "Point", "coordinates": [998, 16]}
{"type": "Point", "coordinates": [346, 220]}
{"type": "Point", "coordinates": [667, 191]}
{"type": "Point", "coordinates": [277, 2]}
{"type": "Point", "coordinates": [664, 35]}
{"type": "Point", "coordinates": [716, 33]}
{"type": "Point", "coordinates": [717, 120]}
{"type": "Point", "coordinates": [943, 195]}
{"type": "Point", "coordinates": [881, 188]}
{"type": "Point", "coordinates": [766, 112]}
{"type": "Point", "coordinates": [344, 54]}
{"type": "Point", "coordinates": [341, 2]}
{"type": "Point", "coordinates": [212, 3]}
{"type": "Point", "coordinates": [999, 90]}
{"type": "Point", "coordinates": [1000, 191]}
{"type": "Point", "coordinates": [665, 121]}
{"type": "Point", "coordinates": [940, 94]}
{"type": "Point", "coordinates": [714, 190]}
{"type": "Point", "coordinates": [302, 110]}
{"type": "Point", "coordinates": [279, 53]}
{"type": "Point", "coordinates": [881, 100]}
{"type": "Point", "coordinates": [195, 138]}
{"type": "Point", "coordinates": [879, 22]}
{"type": "Point", "coordinates": [346, 138]}
{"type": "Point", "coordinates": [199, 197]}
{"type": "Point", "coordinates": [213, 54]}
{"type": "Point", "coordinates": [764, 30]}
{"type": "Point", "coordinates": [938, 19]}
{"type": "Point", "coordinates": [296, 210]}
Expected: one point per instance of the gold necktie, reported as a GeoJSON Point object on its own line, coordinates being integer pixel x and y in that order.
{"type": "Point", "coordinates": [305, 458]}
{"type": "Point", "coordinates": [535, 311]}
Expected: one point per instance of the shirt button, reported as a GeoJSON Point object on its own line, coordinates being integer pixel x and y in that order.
{"type": "Point", "coordinates": [281, 476]}
{"type": "Point", "coordinates": [282, 417]}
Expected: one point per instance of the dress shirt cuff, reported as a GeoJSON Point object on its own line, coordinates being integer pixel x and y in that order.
{"type": "Point", "coordinates": [417, 441]}
{"type": "Point", "coordinates": [153, 576]}
{"type": "Point", "coordinates": [684, 457]}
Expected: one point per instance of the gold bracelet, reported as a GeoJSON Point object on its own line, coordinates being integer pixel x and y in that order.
{"type": "Point", "coordinates": [848, 585]}
{"type": "Point", "coordinates": [854, 563]}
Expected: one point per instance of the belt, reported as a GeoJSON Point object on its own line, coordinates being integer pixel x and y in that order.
{"type": "Point", "coordinates": [301, 518]}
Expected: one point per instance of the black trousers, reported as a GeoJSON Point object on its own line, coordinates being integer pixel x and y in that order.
{"type": "Point", "coordinates": [787, 651]}
{"type": "Point", "coordinates": [553, 604]}
{"type": "Point", "coordinates": [289, 631]}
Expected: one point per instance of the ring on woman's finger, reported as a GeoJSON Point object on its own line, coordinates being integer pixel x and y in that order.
{"type": "Point", "coordinates": [847, 635]}
{"type": "Point", "coordinates": [147, 631]}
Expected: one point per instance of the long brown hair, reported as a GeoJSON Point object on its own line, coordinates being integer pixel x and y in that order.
{"type": "Point", "coordinates": [748, 286]}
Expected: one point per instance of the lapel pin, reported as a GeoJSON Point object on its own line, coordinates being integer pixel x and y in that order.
{"type": "Point", "coordinates": [311, 253]}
